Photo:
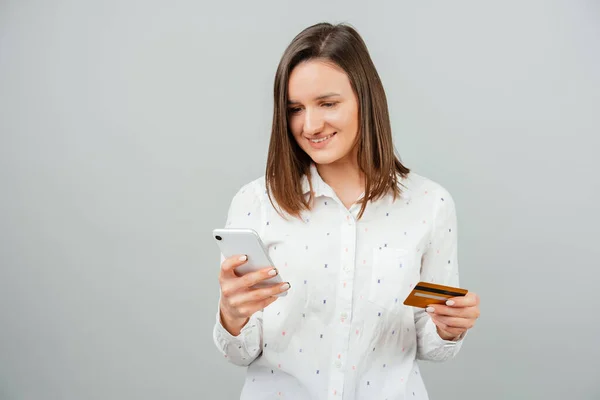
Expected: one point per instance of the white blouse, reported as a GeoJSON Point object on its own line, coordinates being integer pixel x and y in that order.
{"type": "Point", "coordinates": [343, 332]}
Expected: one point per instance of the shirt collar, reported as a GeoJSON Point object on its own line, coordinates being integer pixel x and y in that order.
{"type": "Point", "coordinates": [320, 188]}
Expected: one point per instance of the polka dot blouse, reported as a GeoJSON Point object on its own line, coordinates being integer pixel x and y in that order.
{"type": "Point", "coordinates": [343, 332]}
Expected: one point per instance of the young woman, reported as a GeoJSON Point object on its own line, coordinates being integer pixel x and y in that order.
{"type": "Point", "coordinates": [351, 229]}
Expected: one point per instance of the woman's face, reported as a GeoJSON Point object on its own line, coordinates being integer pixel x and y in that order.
{"type": "Point", "coordinates": [322, 112]}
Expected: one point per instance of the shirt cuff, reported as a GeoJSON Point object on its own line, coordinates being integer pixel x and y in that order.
{"type": "Point", "coordinates": [224, 337]}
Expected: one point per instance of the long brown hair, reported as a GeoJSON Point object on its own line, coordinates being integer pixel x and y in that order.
{"type": "Point", "coordinates": [287, 162]}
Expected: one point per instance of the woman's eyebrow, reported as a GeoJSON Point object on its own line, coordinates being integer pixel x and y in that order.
{"type": "Point", "coordinates": [321, 97]}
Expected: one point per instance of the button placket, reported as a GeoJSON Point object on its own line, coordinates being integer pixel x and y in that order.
{"type": "Point", "coordinates": [343, 303]}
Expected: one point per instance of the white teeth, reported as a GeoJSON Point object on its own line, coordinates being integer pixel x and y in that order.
{"type": "Point", "coordinates": [321, 139]}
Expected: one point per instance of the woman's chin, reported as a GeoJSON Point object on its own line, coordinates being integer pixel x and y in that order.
{"type": "Point", "coordinates": [323, 158]}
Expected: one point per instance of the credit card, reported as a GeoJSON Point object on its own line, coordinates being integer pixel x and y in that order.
{"type": "Point", "coordinates": [425, 293]}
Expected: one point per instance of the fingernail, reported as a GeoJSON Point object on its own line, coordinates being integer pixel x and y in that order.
{"type": "Point", "coordinates": [286, 286]}
{"type": "Point", "coordinates": [450, 303]}
{"type": "Point", "coordinates": [273, 272]}
{"type": "Point", "coordinates": [430, 309]}
{"type": "Point", "coordinates": [243, 258]}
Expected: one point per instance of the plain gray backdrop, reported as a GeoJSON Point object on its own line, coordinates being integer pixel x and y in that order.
{"type": "Point", "coordinates": [127, 126]}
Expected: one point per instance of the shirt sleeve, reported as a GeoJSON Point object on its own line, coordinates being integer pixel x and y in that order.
{"type": "Point", "coordinates": [245, 211]}
{"type": "Point", "coordinates": [439, 264]}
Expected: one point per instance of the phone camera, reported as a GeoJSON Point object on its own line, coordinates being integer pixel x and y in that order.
{"type": "Point", "coordinates": [218, 237]}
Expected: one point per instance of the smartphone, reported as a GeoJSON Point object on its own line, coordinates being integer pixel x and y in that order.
{"type": "Point", "coordinates": [234, 241]}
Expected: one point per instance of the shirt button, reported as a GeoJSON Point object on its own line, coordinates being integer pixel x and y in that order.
{"type": "Point", "coordinates": [338, 363]}
{"type": "Point", "coordinates": [344, 315]}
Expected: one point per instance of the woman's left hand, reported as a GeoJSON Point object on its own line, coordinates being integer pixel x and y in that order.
{"type": "Point", "coordinates": [455, 318]}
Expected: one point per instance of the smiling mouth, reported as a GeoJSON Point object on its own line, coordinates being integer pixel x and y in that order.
{"type": "Point", "coordinates": [319, 140]}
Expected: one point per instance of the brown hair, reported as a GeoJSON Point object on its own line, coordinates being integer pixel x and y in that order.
{"type": "Point", "coordinates": [342, 46]}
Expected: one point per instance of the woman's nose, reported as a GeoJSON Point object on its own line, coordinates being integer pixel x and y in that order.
{"type": "Point", "coordinates": [313, 123]}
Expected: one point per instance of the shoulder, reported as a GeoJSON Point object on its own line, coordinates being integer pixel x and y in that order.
{"type": "Point", "coordinates": [427, 192]}
{"type": "Point", "coordinates": [416, 184]}
{"type": "Point", "coordinates": [246, 206]}
{"type": "Point", "coordinates": [250, 192]}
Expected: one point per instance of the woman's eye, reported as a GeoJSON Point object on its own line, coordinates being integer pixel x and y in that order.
{"type": "Point", "coordinates": [328, 105]}
{"type": "Point", "coordinates": [294, 110]}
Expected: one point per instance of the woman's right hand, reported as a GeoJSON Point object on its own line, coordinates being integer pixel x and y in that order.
{"type": "Point", "coordinates": [238, 302]}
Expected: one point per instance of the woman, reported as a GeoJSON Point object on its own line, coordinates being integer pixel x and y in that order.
{"type": "Point", "coordinates": [351, 229]}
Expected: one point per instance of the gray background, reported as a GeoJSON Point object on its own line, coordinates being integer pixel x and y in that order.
{"type": "Point", "coordinates": [126, 126]}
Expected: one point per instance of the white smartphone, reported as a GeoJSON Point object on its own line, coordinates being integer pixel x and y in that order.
{"type": "Point", "coordinates": [233, 241]}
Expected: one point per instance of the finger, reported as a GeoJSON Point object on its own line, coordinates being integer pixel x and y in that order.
{"type": "Point", "coordinates": [231, 263]}
{"type": "Point", "coordinates": [463, 312]}
{"type": "Point", "coordinates": [454, 322]}
{"type": "Point", "coordinates": [251, 308]}
{"type": "Point", "coordinates": [453, 331]}
{"type": "Point", "coordinates": [257, 295]}
{"type": "Point", "coordinates": [252, 278]}
{"type": "Point", "coordinates": [234, 284]}
{"type": "Point", "coordinates": [469, 300]}
{"type": "Point", "coordinates": [266, 302]}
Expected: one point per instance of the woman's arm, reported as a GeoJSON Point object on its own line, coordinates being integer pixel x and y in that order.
{"type": "Point", "coordinates": [243, 348]}
{"type": "Point", "coordinates": [242, 343]}
{"type": "Point", "coordinates": [439, 264]}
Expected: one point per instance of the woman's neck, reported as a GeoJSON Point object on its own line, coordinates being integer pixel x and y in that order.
{"type": "Point", "coordinates": [345, 178]}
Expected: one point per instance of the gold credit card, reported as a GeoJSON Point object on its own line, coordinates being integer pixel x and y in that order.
{"type": "Point", "coordinates": [425, 293]}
